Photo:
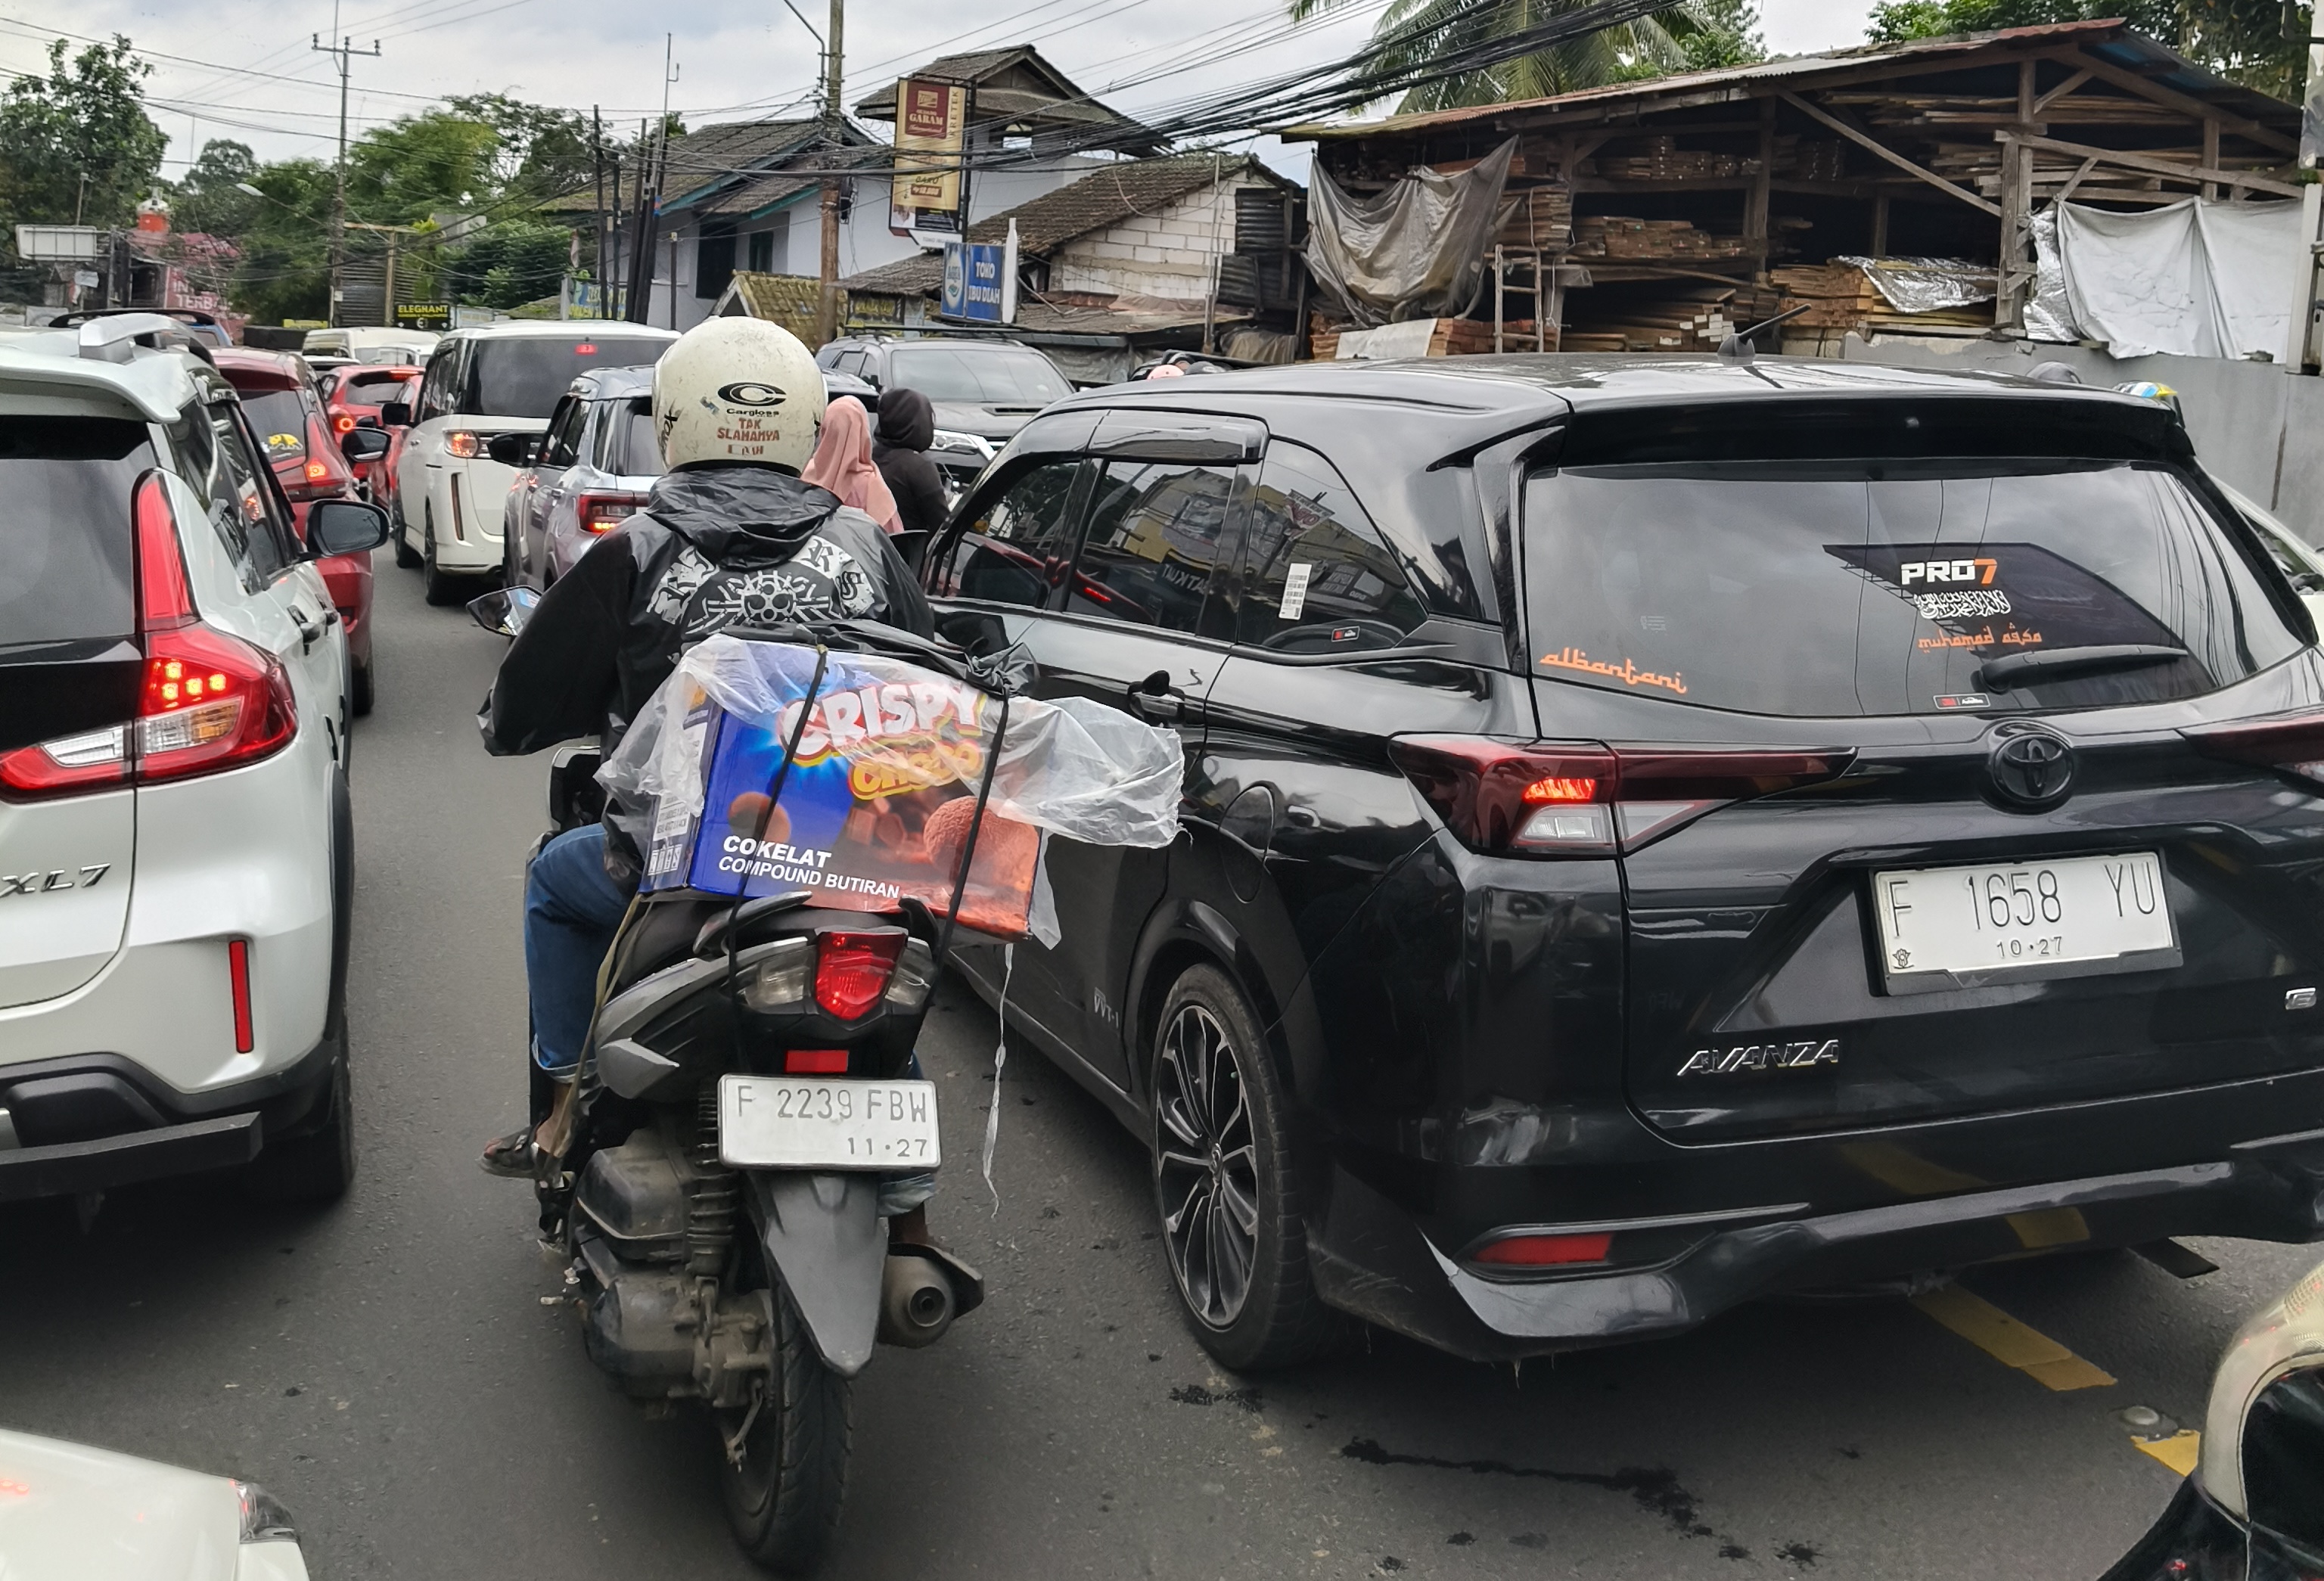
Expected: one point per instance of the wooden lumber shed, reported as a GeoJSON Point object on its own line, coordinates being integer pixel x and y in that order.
{"type": "Point", "coordinates": [1693, 204]}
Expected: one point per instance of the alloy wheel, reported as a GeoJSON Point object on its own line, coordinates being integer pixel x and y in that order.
{"type": "Point", "coordinates": [1205, 1166]}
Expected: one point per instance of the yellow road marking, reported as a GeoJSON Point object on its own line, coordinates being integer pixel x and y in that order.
{"type": "Point", "coordinates": [2009, 1341]}
{"type": "Point", "coordinates": [2179, 1451]}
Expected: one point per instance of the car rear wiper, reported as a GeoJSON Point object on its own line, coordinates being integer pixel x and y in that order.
{"type": "Point", "coordinates": [2002, 675]}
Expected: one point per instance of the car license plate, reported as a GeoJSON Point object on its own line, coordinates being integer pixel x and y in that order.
{"type": "Point", "coordinates": [805, 1122]}
{"type": "Point", "coordinates": [2072, 916]}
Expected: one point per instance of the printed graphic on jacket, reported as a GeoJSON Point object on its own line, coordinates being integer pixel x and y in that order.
{"type": "Point", "coordinates": [821, 582]}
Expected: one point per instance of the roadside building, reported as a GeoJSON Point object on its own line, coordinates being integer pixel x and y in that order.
{"type": "Point", "coordinates": [1138, 256]}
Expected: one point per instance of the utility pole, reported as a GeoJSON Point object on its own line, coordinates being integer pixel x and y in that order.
{"type": "Point", "coordinates": [670, 70]}
{"type": "Point", "coordinates": [597, 213]}
{"type": "Point", "coordinates": [343, 50]}
{"type": "Point", "coordinates": [826, 312]}
{"type": "Point", "coordinates": [2301, 352]}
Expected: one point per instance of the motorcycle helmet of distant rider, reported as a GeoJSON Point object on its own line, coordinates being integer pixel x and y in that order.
{"type": "Point", "coordinates": [737, 389]}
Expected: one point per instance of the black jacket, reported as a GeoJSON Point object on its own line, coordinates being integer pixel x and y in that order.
{"type": "Point", "coordinates": [715, 547]}
{"type": "Point", "coordinates": [908, 426]}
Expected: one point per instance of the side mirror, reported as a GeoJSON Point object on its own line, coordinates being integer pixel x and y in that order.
{"type": "Point", "coordinates": [344, 527]}
{"type": "Point", "coordinates": [361, 444]}
{"type": "Point", "coordinates": [503, 611]}
{"type": "Point", "coordinates": [513, 449]}
{"type": "Point", "coordinates": [395, 414]}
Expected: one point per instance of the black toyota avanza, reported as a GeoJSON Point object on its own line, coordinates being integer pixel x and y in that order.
{"type": "Point", "coordinates": [1663, 831]}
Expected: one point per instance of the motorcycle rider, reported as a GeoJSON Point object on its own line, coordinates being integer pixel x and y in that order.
{"type": "Point", "coordinates": [729, 535]}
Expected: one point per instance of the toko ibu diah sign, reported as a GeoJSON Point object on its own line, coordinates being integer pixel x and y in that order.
{"type": "Point", "coordinates": [980, 281]}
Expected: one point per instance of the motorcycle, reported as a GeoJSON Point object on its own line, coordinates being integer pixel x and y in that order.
{"type": "Point", "coordinates": [715, 1262]}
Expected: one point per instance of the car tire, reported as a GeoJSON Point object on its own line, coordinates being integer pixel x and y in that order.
{"type": "Point", "coordinates": [404, 558]}
{"type": "Point", "coordinates": [360, 690]}
{"type": "Point", "coordinates": [319, 1166]}
{"type": "Point", "coordinates": [1226, 1183]}
{"type": "Point", "coordinates": [438, 588]}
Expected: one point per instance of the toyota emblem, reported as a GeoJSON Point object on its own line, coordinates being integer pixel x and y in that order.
{"type": "Point", "coordinates": [2032, 767]}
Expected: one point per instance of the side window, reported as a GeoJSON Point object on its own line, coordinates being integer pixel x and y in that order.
{"type": "Point", "coordinates": [1016, 548]}
{"type": "Point", "coordinates": [216, 459]}
{"type": "Point", "coordinates": [563, 447]}
{"type": "Point", "coordinates": [1316, 578]}
{"type": "Point", "coordinates": [434, 388]}
{"type": "Point", "coordinates": [1155, 532]}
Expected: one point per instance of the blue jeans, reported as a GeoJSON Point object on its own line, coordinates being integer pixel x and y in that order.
{"type": "Point", "coordinates": [571, 910]}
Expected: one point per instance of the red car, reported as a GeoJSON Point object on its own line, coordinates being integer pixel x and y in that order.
{"type": "Point", "coordinates": [277, 393]}
{"type": "Point", "coordinates": [352, 398]}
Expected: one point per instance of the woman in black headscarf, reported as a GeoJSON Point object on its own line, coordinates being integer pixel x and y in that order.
{"type": "Point", "coordinates": [907, 425]}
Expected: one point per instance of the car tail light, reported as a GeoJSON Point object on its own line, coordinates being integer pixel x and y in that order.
{"type": "Point", "coordinates": [1553, 799]}
{"type": "Point", "coordinates": [345, 423]}
{"type": "Point", "coordinates": [462, 446]}
{"type": "Point", "coordinates": [209, 702]}
{"type": "Point", "coordinates": [815, 1062]}
{"type": "Point", "coordinates": [851, 971]}
{"type": "Point", "coordinates": [604, 512]}
{"type": "Point", "coordinates": [2291, 742]}
{"type": "Point", "coordinates": [1545, 1251]}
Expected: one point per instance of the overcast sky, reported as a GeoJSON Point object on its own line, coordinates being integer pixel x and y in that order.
{"type": "Point", "coordinates": [246, 69]}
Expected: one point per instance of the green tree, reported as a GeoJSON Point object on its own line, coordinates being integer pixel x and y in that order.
{"type": "Point", "coordinates": [286, 244]}
{"type": "Point", "coordinates": [418, 165]}
{"type": "Point", "coordinates": [1692, 35]}
{"type": "Point", "coordinates": [209, 197]}
{"type": "Point", "coordinates": [509, 264]}
{"type": "Point", "coordinates": [2247, 40]}
{"type": "Point", "coordinates": [542, 149]}
{"type": "Point", "coordinates": [76, 146]}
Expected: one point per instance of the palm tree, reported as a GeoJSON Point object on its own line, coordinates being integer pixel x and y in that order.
{"type": "Point", "coordinates": [1411, 33]}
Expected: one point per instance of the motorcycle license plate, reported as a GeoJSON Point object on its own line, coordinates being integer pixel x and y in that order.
{"type": "Point", "coordinates": [2072, 916]}
{"type": "Point", "coordinates": [821, 1123]}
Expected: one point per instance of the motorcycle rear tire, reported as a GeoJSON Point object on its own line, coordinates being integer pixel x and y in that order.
{"type": "Point", "coordinates": [783, 1501]}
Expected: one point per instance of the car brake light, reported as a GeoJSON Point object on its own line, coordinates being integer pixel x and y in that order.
{"type": "Point", "coordinates": [462, 446]}
{"type": "Point", "coordinates": [343, 423]}
{"type": "Point", "coordinates": [851, 971]}
{"type": "Point", "coordinates": [209, 702]}
{"type": "Point", "coordinates": [1551, 799]}
{"type": "Point", "coordinates": [602, 513]}
{"type": "Point", "coordinates": [1545, 1251]}
{"type": "Point", "coordinates": [815, 1062]}
{"type": "Point", "coordinates": [2291, 742]}
{"type": "Point", "coordinates": [317, 471]}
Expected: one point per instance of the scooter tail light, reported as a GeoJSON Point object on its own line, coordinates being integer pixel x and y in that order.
{"type": "Point", "coordinates": [852, 970]}
{"type": "Point", "coordinates": [915, 978]}
{"type": "Point", "coordinates": [815, 1062]}
{"type": "Point", "coordinates": [779, 980]}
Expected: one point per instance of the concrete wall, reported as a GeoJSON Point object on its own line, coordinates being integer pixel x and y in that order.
{"type": "Point", "coordinates": [1169, 253]}
{"type": "Point", "coordinates": [2255, 427]}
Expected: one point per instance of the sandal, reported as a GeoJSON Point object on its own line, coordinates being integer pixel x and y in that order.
{"type": "Point", "coordinates": [509, 1157]}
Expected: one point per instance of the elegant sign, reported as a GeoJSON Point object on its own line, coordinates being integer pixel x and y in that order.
{"type": "Point", "coordinates": [931, 133]}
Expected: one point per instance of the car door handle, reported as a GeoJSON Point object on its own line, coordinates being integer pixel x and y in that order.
{"type": "Point", "coordinates": [1156, 699]}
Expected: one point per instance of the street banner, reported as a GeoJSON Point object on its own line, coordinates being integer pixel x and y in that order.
{"type": "Point", "coordinates": [931, 133]}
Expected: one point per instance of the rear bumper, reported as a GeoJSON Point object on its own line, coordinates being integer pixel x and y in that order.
{"type": "Point", "coordinates": [1405, 1270]}
{"type": "Point", "coordinates": [183, 1135]}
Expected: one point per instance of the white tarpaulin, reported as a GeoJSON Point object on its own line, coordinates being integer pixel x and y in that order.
{"type": "Point", "coordinates": [2190, 280]}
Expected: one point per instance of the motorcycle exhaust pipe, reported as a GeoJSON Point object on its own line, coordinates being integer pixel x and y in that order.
{"type": "Point", "coordinates": [917, 1303]}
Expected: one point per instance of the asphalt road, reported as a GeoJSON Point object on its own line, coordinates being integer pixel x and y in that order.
{"type": "Point", "coordinates": [402, 1370]}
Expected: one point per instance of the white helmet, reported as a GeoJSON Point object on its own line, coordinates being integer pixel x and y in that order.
{"type": "Point", "coordinates": [737, 389]}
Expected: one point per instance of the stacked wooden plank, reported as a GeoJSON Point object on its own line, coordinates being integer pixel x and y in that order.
{"type": "Point", "coordinates": [1621, 236]}
{"type": "Point", "coordinates": [1842, 297]}
{"type": "Point", "coordinates": [1542, 221]}
{"type": "Point", "coordinates": [1661, 159]}
{"type": "Point", "coordinates": [1684, 317]}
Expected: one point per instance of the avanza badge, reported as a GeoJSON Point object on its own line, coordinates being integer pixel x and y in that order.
{"type": "Point", "coordinates": [1762, 1056]}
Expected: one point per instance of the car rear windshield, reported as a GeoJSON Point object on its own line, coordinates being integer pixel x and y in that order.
{"type": "Point", "coordinates": [977, 375]}
{"type": "Point", "coordinates": [279, 417]}
{"type": "Point", "coordinates": [1816, 589]}
{"type": "Point", "coordinates": [526, 378]}
{"type": "Point", "coordinates": [371, 389]}
{"type": "Point", "coordinates": [65, 539]}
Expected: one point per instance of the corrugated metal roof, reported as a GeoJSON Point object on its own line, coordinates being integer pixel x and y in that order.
{"type": "Point", "coordinates": [2111, 41]}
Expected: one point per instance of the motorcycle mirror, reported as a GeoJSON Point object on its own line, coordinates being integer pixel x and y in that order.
{"type": "Point", "coordinates": [503, 611]}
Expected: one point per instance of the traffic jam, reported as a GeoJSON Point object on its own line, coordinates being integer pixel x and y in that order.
{"type": "Point", "coordinates": [744, 942]}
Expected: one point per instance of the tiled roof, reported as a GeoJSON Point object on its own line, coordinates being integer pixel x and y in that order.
{"type": "Point", "coordinates": [1100, 199]}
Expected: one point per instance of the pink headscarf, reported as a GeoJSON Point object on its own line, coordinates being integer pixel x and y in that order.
{"type": "Point", "coordinates": [841, 462]}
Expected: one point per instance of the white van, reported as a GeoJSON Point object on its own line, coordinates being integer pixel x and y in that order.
{"type": "Point", "coordinates": [357, 340]}
{"type": "Point", "coordinates": [495, 379]}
